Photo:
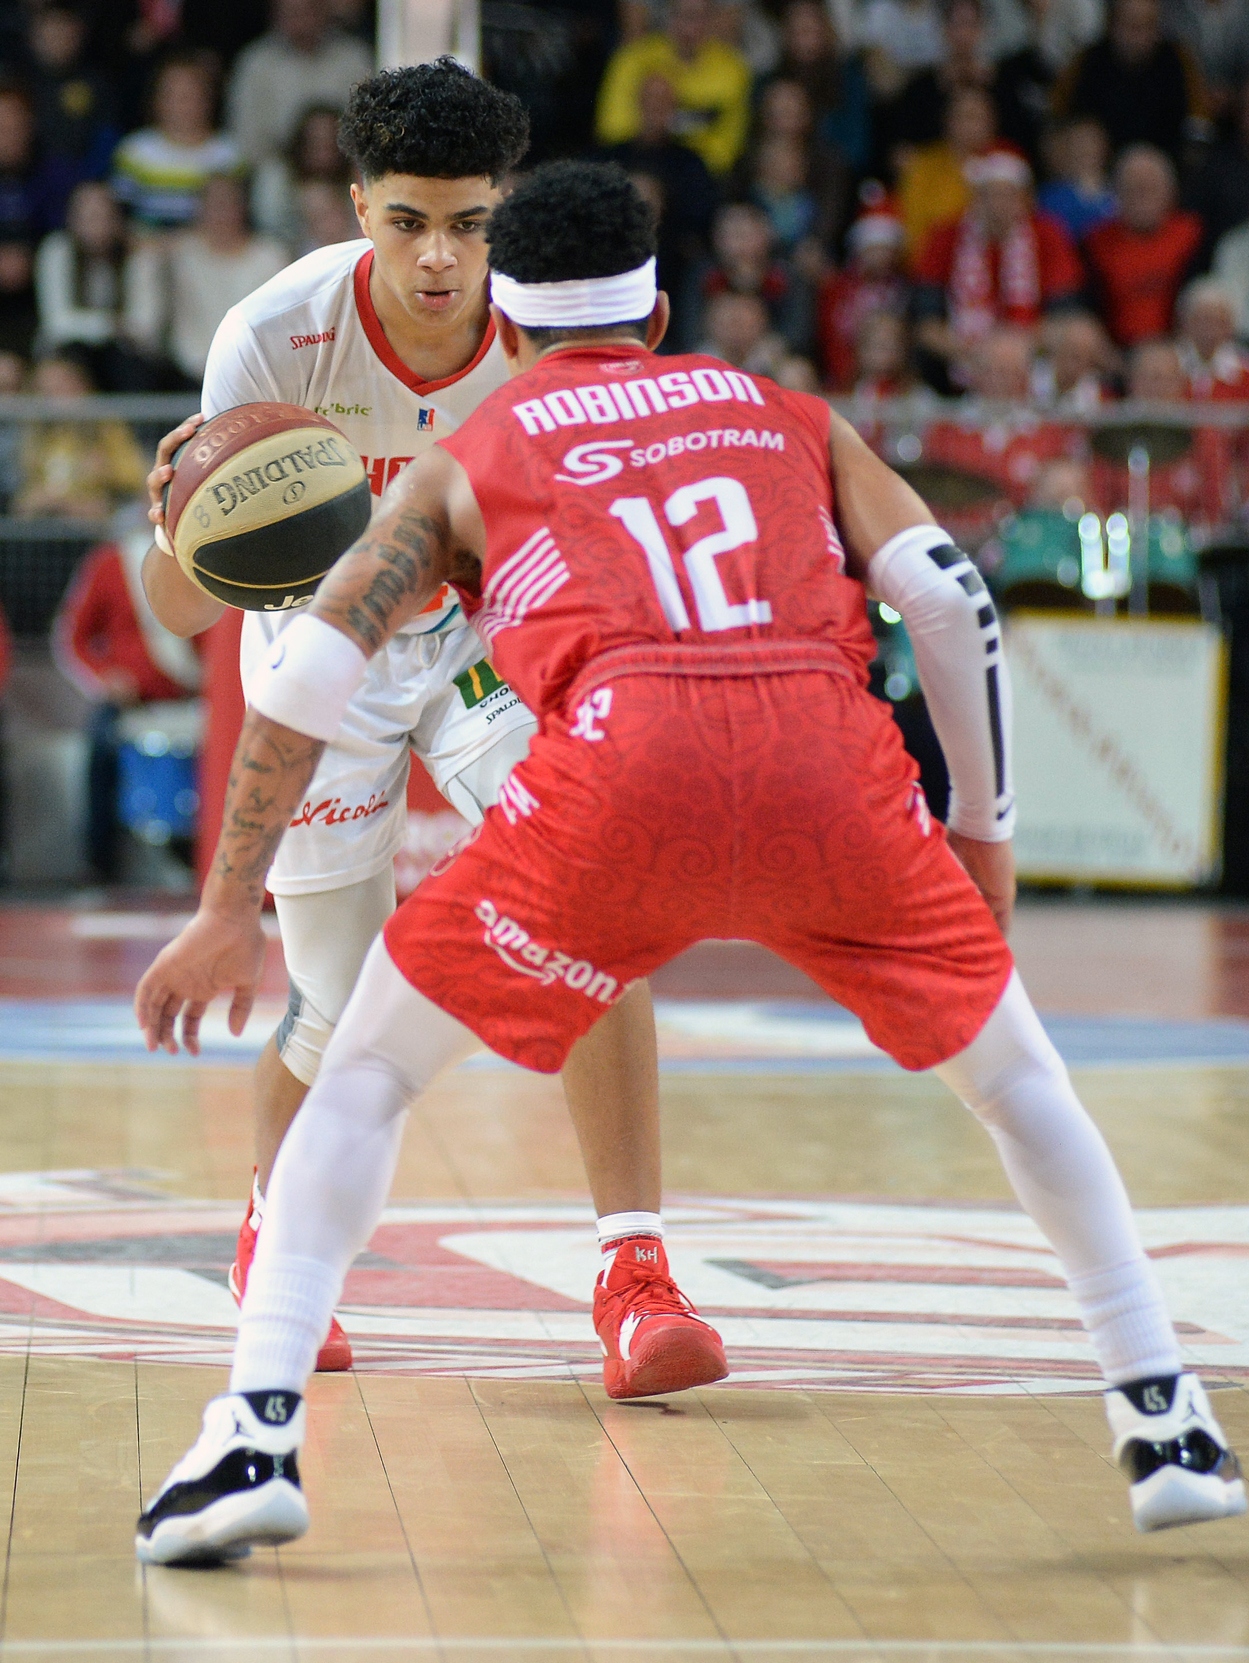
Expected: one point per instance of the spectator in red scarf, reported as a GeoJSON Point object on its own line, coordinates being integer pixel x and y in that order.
{"type": "Point", "coordinates": [871, 282]}
{"type": "Point", "coordinates": [1139, 260]}
{"type": "Point", "coordinates": [1216, 365]}
{"type": "Point", "coordinates": [1000, 263]}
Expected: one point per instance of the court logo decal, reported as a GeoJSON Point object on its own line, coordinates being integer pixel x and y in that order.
{"type": "Point", "coordinates": [834, 1295]}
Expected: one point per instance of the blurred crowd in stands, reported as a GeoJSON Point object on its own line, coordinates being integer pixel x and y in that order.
{"type": "Point", "coordinates": [1041, 204]}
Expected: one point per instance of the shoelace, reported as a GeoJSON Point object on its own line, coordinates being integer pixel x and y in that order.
{"type": "Point", "coordinates": [650, 1293]}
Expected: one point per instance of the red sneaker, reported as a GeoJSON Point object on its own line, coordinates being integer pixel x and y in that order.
{"type": "Point", "coordinates": [335, 1355]}
{"type": "Point", "coordinates": [652, 1337]}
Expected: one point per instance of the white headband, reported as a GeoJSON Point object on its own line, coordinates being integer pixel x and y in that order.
{"type": "Point", "coordinates": [583, 303]}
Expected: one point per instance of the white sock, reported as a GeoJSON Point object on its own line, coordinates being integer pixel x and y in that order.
{"type": "Point", "coordinates": [334, 1170]}
{"type": "Point", "coordinates": [1014, 1081]}
{"type": "Point", "coordinates": [614, 1227]}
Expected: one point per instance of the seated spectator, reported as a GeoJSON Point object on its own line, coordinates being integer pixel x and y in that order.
{"type": "Point", "coordinates": [108, 643]}
{"type": "Point", "coordinates": [324, 215]}
{"type": "Point", "coordinates": [312, 156]}
{"type": "Point", "coordinates": [932, 186]}
{"type": "Point", "coordinates": [1216, 33]}
{"type": "Point", "coordinates": [899, 37]}
{"type": "Point", "coordinates": [778, 183]}
{"type": "Point", "coordinates": [1218, 189]}
{"type": "Point", "coordinates": [996, 436]}
{"type": "Point", "coordinates": [1231, 267]}
{"type": "Point", "coordinates": [78, 470]}
{"type": "Point", "coordinates": [1079, 195]}
{"type": "Point", "coordinates": [179, 291]}
{"type": "Point", "coordinates": [834, 83]}
{"type": "Point", "coordinates": [1007, 446]}
{"type": "Point", "coordinates": [870, 284]}
{"type": "Point", "coordinates": [1200, 487]}
{"type": "Point", "coordinates": [711, 82]}
{"type": "Point", "coordinates": [79, 287]}
{"type": "Point", "coordinates": [302, 60]}
{"type": "Point", "coordinates": [1032, 42]}
{"type": "Point", "coordinates": [1075, 365]}
{"type": "Point", "coordinates": [688, 196]}
{"type": "Point", "coordinates": [740, 332]}
{"type": "Point", "coordinates": [1142, 88]}
{"type": "Point", "coordinates": [22, 210]}
{"type": "Point", "coordinates": [76, 120]}
{"type": "Point", "coordinates": [19, 315]}
{"type": "Point", "coordinates": [750, 30]}
{"type": "Point", "coordinates": [1140, 259]}
{"type": "Point", "coordinates": [13, 372]}
{"type": "Point", "coordinates": [744, 261]}
{"type": "Point", "coordinates": [1001, 263]}
{"type": "Point", "coordinates": [1216, 365]}
{"type": "Point", "coordinates": [916, 116]}
{"type": "Point", "coordinates": [785, 113]}
{"type": "Point", "coordinates": [882, 357]}
{"type": "Point", "coordinates": [160, 171]}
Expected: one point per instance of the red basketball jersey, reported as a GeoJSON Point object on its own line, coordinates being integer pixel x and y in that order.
{"type": "Point", "coordinates": [631, 500]}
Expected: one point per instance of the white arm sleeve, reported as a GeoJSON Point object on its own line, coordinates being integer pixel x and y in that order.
{"type": "Point", "coordinates": [958, 652]}
{"type": "Point", "coordinates": [308, 678]}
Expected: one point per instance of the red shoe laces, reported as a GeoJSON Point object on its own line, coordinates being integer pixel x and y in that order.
{"type": "Point", "coordinates": [649, 1292]}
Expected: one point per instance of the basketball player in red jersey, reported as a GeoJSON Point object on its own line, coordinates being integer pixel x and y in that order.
{"type": "Point", "coordinates": [391, 337]}
{"type": "Point", "coordinates": [669, 560]}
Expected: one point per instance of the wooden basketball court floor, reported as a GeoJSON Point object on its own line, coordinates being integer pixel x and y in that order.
{"type": "Point", "coordinates": [909, 1462]}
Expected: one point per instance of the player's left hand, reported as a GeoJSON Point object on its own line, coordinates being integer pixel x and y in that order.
{"type": "Point", "coordinates": [991, 867]}
{"type": "Point", "coordinates": [215, 953]}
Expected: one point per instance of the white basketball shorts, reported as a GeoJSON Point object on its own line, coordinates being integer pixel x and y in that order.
{"type": "Point", "coordinates": [433, 693]}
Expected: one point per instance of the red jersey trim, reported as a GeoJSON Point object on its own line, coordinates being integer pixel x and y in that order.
{"type": "Point", "coordinates": [372, 326]}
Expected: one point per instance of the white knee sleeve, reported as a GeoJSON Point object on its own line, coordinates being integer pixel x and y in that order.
{"type": "Point", "coordinates": [334, 1170]}
{"type": "Point", "coordinates": [325, 938]}
{"type": "Point", "coordinates": [1014, 1081]}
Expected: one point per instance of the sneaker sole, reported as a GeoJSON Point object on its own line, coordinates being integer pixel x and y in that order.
{"type": "Point", "coordinates": [229, 1528]}
{"type": "Point", "coordinates": [673, 1360]}
{"type": "Point", "coordinates": [1172, 1497]}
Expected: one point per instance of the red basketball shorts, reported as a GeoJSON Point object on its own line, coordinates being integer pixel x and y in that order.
{"type": "Point", "coordinates": [668, 808]}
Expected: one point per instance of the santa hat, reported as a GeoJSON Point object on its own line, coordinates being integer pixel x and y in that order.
{"type": "Point", "coordinates": [878, 227]}
{"type": "Point", "coordinates": [999, 166]}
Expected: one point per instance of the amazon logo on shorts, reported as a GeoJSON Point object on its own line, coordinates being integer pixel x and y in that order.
{"type": "Point", "coordinates": [547, 965]}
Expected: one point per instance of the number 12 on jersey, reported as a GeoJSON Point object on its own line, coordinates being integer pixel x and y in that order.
{"type": "Point", "coordinates": [715, 611]}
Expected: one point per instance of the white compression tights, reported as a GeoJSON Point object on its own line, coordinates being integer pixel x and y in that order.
{"type": "Point", "coordinates": [1014, 1081]}
{"type": "Point", "coordinates": [334, 1170]}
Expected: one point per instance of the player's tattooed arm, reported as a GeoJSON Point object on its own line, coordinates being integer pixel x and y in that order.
{"type": "Point", "coordinates": [222, 949]}
{"type": "Point", "coordinates": [414, 546]}
{"type": "Point", "coordinates": [272, 769]}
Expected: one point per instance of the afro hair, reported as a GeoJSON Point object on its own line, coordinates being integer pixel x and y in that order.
{"type": "Point", "coordinates": [570, 220]}
{"type": "Point", "coordinates": [435, 121]}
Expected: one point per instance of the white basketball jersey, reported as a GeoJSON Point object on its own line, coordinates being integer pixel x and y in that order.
{"type": "Point", "coordinates": [311, 337]}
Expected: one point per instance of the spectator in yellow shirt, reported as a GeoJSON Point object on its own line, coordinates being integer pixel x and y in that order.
{"type": "Point", "coordinates": [711, 81]}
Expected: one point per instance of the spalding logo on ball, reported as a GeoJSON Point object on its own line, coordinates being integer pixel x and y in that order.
{"type": "Point", "coordinates": [263, 500]}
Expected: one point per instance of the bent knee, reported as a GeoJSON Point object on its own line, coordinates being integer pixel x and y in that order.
{"type": "Point", "coordinates": [301, 1037]}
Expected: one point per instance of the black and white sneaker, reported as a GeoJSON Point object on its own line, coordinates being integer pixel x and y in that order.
{"type": "Point", "coordinates": [237, 1486]}
{"type": "Point", "coordinates": [1174, 1453]}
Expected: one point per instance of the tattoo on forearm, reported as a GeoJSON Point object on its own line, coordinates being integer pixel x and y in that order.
{"type": "Point", "coordinates": [401, 566]}
{"type": "Point", "coordinates": [272, 768]}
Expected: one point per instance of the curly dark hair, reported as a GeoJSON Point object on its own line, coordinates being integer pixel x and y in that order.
{"type": "Point", "coordinates": [436, 121]}
{"type": "Point", "coordinates": [568, 220]}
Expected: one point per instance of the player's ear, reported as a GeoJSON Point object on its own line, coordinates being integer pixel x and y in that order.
{"type": "Point", "coordinates": [360, 203]}
{"type": "Point", "coordinates": [509, 339]}
{"type": "Point", "coordinates": [657, 328]}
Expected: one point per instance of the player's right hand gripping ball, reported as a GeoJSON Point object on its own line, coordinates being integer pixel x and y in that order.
{"type": "Point", "coordinates": [263, 500]}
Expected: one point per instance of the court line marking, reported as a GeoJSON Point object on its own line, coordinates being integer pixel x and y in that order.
{"type": "Point", "coordinates": [1129, 1651]}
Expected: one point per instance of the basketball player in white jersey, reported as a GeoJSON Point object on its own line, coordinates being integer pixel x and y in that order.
{"type": "Point", "coordinates": [391, 338]}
